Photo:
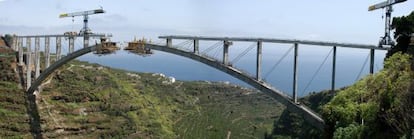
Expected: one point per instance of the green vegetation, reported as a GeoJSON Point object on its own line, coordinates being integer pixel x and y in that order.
{"type": "Point", "coordinates": [223, 110]}
{"type": "Point", "coordinates": [380, 105]}
{"type": "Point", "coordinates": [7, 65]}
{"type": "Point", "coordinates": [102, 102]}
{"type": "Point", "coordinates": [83, 100]}
{"type": "Point", "coordinates": [377, 106]}
{"type": "Point", "coordinates": [291, 125]}
{"type": "Point", "coordinates": [382, 102]}
{"type": "Point", "coordinates": [89, 101]}
{"type": "Point", "coordinates": [14, 121]}
{"type": "Point", "coordinates": [8, 39]}
{"type": "Point", "coordinates": [404, 27]}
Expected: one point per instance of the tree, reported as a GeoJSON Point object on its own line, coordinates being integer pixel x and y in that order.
{"type": "Point", "coordinates": [384, 101]}
{"type": "Point", "coordinates": [8, 39]}
{"type": "Point", "coordinates": [404, 27]}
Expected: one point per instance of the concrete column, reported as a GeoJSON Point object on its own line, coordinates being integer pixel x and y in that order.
{"type": "Point", "coordinates": [14, 43]}
{"type": "Point", "coordinates": [71, 44]}
{"type": "Point", "coordinates": [295, 72]}
{"type": "Point", "coordinates": [226, 45]}
{"type": "Point", "coordinates": [28, 63]}
{"type": "Point", "coordinates": [371, 65]}
{"type": "Point", "coordinates": [333, 69]}
{"type": "Point", "coordinates": [37, 57]}
{"type": "Point", "coordinates": [20, 44]}
{"type": "Point", "coordinates": [259, 60]}
{"type": "Point", "coordinates": [169, 42]}
{"type": "Point", "coordinates": [47, 52]}
{"type": "Point", "coordinates": [58, 47]}
{"type": "Point", "coordinates": [196, 46]}
{"type": "Point", "coordinates": [85, 40]}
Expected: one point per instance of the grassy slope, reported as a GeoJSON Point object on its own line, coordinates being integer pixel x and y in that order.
{"type": "Point", "coordinates": [233, 112]}
{"type": "Point", "coordinates": [291, 125]}
{"type": "Point", "coordinates": [89, 101]}
{"type": "Point", "coordinates": [14, 122]}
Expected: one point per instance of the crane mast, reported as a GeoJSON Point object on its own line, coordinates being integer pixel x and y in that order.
{"type": "Point", "coordinates": [85, 31]}
{"type": "Point", "coordinates": [386, 40]}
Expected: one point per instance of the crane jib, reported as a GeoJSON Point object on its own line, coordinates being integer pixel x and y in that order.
{"type": "Point", "coordinates": [384, 4]}
{"type": "Point", "coordinates": [97, 11]}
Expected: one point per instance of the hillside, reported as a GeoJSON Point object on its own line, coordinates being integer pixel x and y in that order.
{"type": "Point", "coordinates": [380, 105]}
{"type": "Point", "coordinates": [14, 121]}
{"type": "Point", "coordinates": [83, 100]}
{"type": "Point", "coordinates": [87, 101]}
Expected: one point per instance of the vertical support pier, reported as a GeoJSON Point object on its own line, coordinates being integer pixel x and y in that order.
{"type": "Point", "coordinates": [37, 57]}
{"type": "Point", "coordinates": [333, 70]}
{"type": "Point", "coordinates": [47, 52]}
{"type": "Point", "coordinates": [169, 42]}
{"type": "Point", "coordinates": [196, 46]}
{"type": "Point", "coordinates": [85, 40]}
{"type": "Point", "coordinates": [71, 44]}
{"type": "Point", "coordinates": [295, 72]}
{"type": "Point", "coordinates": [14, 43]}
{"type": "Point", "coordinates": [259, 60]}
{"type": "Point", "coordinates": [58, 47]}
{"type": "Point", "coordinates": [28, 63]}
{"type": "Point", "coordinates": [371, 65]}
{"type": "Point", "coordinates": [20, 45]}
{"type": "Point", "coordinates": [226, 45]}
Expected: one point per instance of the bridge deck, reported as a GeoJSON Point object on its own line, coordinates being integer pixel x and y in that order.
{"type": "Point", "coordinates": [63, 35]}
{"type": "Point", "coordinates": [275, 40]}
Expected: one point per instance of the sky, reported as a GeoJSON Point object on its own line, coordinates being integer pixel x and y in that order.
{"type": "Point", "coordinates": [334, 20]}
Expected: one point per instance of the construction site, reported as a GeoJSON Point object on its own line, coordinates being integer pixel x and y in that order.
{"type": "Point", "coordinates": [138, 47]}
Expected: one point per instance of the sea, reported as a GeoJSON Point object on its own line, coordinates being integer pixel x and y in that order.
{"type": "Point", "coordinates": [314, 65]}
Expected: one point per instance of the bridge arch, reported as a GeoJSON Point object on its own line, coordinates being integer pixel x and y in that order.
{"type": "Point", "coordinates": [310, 116]}
{"type": "Point", "coordinates": [57, 65]}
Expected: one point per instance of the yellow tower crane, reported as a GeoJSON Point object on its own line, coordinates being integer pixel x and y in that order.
{"type": "Point", "coordinates": [85, 31]}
